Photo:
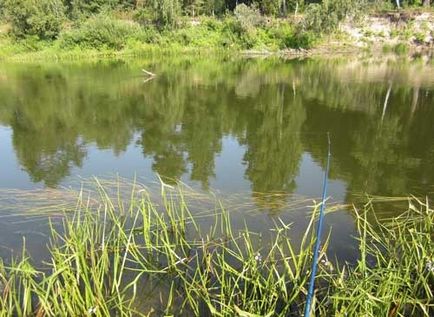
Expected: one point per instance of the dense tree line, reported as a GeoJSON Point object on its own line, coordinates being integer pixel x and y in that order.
{"type": "Point", "coordinates": [75, 8]}
{"type": "Point", "coordinates": [45, 18]}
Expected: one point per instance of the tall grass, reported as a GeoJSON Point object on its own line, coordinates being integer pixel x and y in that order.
{"type": "Point", "coordinates": [139, 257]}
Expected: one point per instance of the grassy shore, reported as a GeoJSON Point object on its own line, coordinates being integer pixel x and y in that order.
{"type": "Point", "coordinates": [103, 35]}
{"type": "Point", "coordinates": [111, 254]}
{"type": "Point", "coordinates": [107, 35]}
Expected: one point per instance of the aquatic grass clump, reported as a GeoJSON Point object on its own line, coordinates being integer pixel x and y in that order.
{"type": "Point", "coordinates": [142, 257]}
{"type": "Point", "coordinates": [394, 275]}
{"type": "Point", "coordinates": [106, 252]}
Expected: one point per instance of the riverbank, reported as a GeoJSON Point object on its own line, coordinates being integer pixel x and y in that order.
{"type": "Point", "coordinates": [398, 32]}
{"type": "Point", "coordinates": [146, 257]}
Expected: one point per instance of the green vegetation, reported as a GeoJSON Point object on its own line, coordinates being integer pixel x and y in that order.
{"type": "Point", "coordinates": [102, 32]}
{"type": "Point", "coordinates": [112, 257]}
{"type": "Point", "coordinates": [61, 25]}
{"type": "Point", "coordinates": [40, 18]}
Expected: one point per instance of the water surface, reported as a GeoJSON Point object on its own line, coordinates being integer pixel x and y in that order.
{"type": "Point", "coordinates": [244, 127]}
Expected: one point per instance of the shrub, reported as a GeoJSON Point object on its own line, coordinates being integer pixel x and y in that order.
{"type": "Point", "coordinates": [144, 16]}
{"type": "Point", "coordinates": [400, 48]}
{"type": "Point", "coordinates": [242, 29]}
{"type": "Point", "coordinates": [319, 19]}
{"type": "Point", "coordinates": [166, 13]}
{"type": "Point", "coordinates": [282, 34]}
{"type": "Point", "coordinates": [103, 32]}
{"type": "Point", "coordinates": [269, 7]}
{"type": "Point", "coordinates": [419, 37]}
{"type": "Point", "coordinates": [79, 8]}
{"type": "Point", "coordinates": [41, 18]}
{"type": "Point", "coordinates": [231, 26]}
{"type": "Point", "coordinates": [325, 17]}
{"type": "Point", "coordinates": [286, 35]}
{"type": "Point", "coordinates": [30, 43]}
{"type": "Point", "coordinates": [248, 17]}
{"type": "Point", "coordinates": [387, 48]}
{"type": "Point", "coordinates": [234, 34]}
{"type": "Point", "coordinates": [211, 24]}
{"type": "Point", "coordinates": [279, 8]}
{"type": "Point", "coordinates": [305, 39]}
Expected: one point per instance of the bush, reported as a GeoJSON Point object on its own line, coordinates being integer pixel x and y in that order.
{"type": "Point", "coordinates": [166, 13]}
{"type": "Point", "coordinates": [79, 8]}
{"type": "Point", "coordinates": [401, 48]}
{"type": "Point", "coordinates": [325, 17]}
{"type": "Point", "coordinates": [305, 39]}
{"type": "Point", "coordinates": [143, 16]}
{"type": "Point", "coordinates": [103, 32]}
{"type": "Point", "coordinates": [318, 19]}
{"type": "Point", "coordinates": [248, 17]}
{"type": "Point", "coordinates": [1, 9]}
{"type": "Point", "coordinates": [235, 34]}
{"type": "Point", "coordinates": [276, 35]}
{"type": "Point", "coordinates": [243, 28]}
{"type": "Point", "coordinates": [269, 7]}
{"type": "Point", "coordinates": [41, 18]}
{"type": "Point", "coordinates": [211, 24]}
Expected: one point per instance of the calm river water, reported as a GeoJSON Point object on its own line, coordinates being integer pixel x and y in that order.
{"type": "Point", "coordinates": [239, 127]}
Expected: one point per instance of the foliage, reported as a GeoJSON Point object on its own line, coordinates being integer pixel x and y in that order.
{"type": "Point", "coordinates": [166, 13]}
{"type": "Point", "coordinates": [42, 18]}
{"type": "Point", "coordinates": [318, 20]}
{"type": "Point", "coordinates": [1, 9]}
{"type": "Point", "coordinates": [214, 7]}
{"type": "Point", "coordinates": [228, 33]}
{"type": "Point", "coordinates": [245, 25]}
{"type": "Point", "coordinates": [400, 48]}
{"type": "Point", "coordinates": [248, 17]}
{"type": "Point", "coordinates": [76, 8]}
{"type": "Point", "coordinates": [85, 8]}
{"type": "Point", "coordinates": [109, 249]}
{"type": "Point", "coordinates": [303, 39]}
{"type": "Point", "coordinates": [103, 32]}
{"type": "Point", "coordinates": [325, 17]}
{"type": "Point", "coordinates": [144, 17]}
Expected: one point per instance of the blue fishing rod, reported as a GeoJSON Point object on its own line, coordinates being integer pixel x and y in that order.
{"type": "Point", "coordinates": [307, 308]}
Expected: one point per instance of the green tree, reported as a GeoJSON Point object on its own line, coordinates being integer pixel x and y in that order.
{"type": "Point", "coordinates": [1, 9]}
{"type": "Point", "coordinates": [193, 7]}
{"type": "Point", "coordinates": [78, 8]}
{"type": "Point", "coordinates": [213, 7]}
{"type": "Point", "coordinates": [41, 18]}
{"type": "Point", "coordinates": [166, 12]}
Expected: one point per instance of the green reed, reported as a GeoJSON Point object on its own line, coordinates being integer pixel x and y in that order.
{"type": "Point", "coordinates": [110, 253]}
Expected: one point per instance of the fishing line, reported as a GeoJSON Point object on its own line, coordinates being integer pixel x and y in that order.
{"type": "Point", "coordinates": [319, 229]}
